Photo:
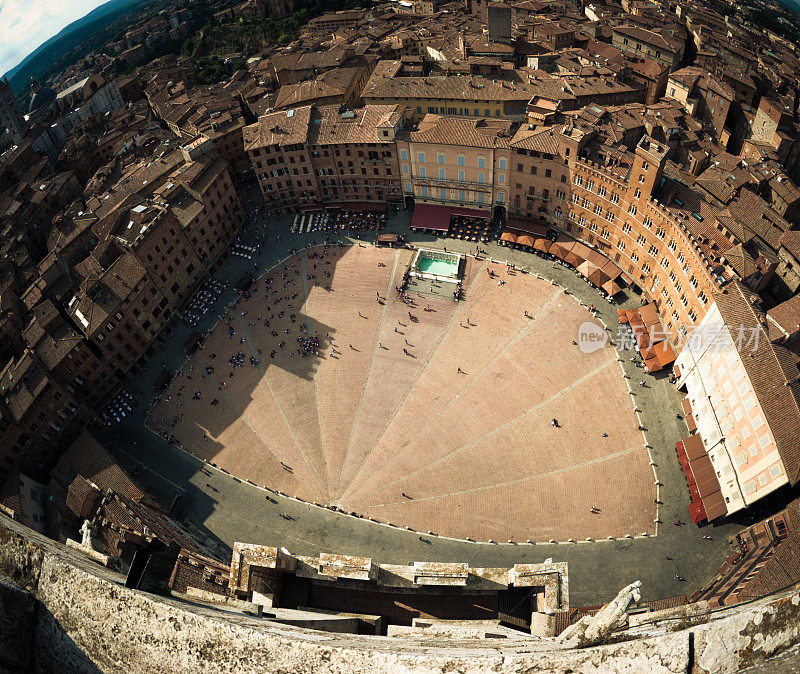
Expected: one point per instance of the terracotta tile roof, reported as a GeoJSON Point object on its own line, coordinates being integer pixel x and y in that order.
{"type": "Point", "coordinates": [383, 84]}
{"type": "Point", "coordinates": [662, 41]}
{"type": "Point", "coordinates": [723, 182]}
{"type": "Point", "coordinates": [794, 512]}
{"type": "Point", "coordinates": [541, 139]}
{"type": "Point", "coordinates": [485, 133]}
{"type": "Point", "coordinates": [663, 604]}
{"type": "Point", "coordinates": [780, 570]}
{"type": "Point", "coordinates": [741, 261]}
{"type": "Point", "coordinates": [89, 459]}
{"type": "Point", "coordinates": [784, 318]}
{"type": "Point", "coordinates": [77, 493]}
{"type": "Point", "coordinates": [330, 84]}
{"type": "Point", "coordinates": [9, 490]}
{"type": "Point", "coordinates": [772, 371]}
{"type": "Point", "coordinates": [719, 87]}
{"type": "Point", "coordinates": [329, 126]}
{"type": "Point", "coordinates": [288, 127]}
{"type": "Point", "coordinates": [681, 198]}
{"type": "Point", "coordinates": [28, 382]}
{"type": "Point", "coordinates": [757, 219]}
{"type": "Point", "coordinates": [791, 242]}
{"type": "Point", "coordinates": [688, 76]}
{"type": "Point", "coordinates": [185, 574]}
{"type": "Point", "coordinates": [783, 186]}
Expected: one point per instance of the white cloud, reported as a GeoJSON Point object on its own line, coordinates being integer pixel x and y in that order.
{"type": "Point", "coordinates": [25, 24]}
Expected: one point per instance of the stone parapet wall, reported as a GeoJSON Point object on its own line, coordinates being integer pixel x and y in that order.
{"type": "Point", "coordinates": [87, 621]}
{"type": "Point", "coordinates": [17, 610]}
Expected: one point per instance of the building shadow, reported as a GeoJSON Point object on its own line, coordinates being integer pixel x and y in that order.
{"type": "Point", "coordinates": [63, 654]}
{"type": "Point", "coordinates": [250, 368]}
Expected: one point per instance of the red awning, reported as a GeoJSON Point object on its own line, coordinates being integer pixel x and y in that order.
{"type": "Point", "coordinates": [696, 508]}
{"type": "Point", "coordinates": [703, 473]}
{"type": "Point", "coordinates": [649, 314]}
{"type": "Point", "coordinates": [694, 447]}
{"type": "Point", "coordinates": [527, 226]}
{"type": "Point", "coordinates": [684, 461]}
{"type": "Point", "coordinates": [468, 212]}
{"type": "Point", "coordinates": [611, 270]}
{"type": "Point", "coordinates": [703, 483]}
{"type": "Point", "coordinates": [525, 240]}
{"type": "Point", "coordinates": [714, 505]}
{"type": "Point", "coordinates": [597, 278]}
{"type": "Point", "coordinates": [651, 365]}
{"type": "Point", "coordinates": [696, 512]}
{"type": "Point", "coordinates": [542, 244]}
{"type": "Point", "coordinates": [508, 237]}
{"type": "Point", "coordinates": [664, 353]}
{"type": "Point", "coordinates": [586, 268]}
{"type": "Point", "coordinates": [558, 250]}
{"type": "Point", "coordinates": [592, 255]}
{"type": "Point", "coordinates": [431, 217]}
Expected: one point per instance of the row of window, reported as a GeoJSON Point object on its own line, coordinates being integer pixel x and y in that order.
{"type": "Point", "coordinates": [443, 110]}
{"type": "Point", "coordinates": [425, 193]}
{"type": "Point", "coordinates": [422, 173]}
{"type": "Point", "coordinates": [461, 160]}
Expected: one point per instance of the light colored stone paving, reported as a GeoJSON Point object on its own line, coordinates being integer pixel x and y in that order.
{"type": "Point", "coordinates": [404, 436]}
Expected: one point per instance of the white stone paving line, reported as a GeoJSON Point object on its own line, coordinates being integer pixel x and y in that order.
{"type": "Point", "coordinates": [340, 511]}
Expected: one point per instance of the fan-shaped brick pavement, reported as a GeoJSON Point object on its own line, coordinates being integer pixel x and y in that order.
{"type": "Point", "coordinates": [435, 415]}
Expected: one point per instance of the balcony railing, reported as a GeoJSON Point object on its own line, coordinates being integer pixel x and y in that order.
{"type": "Point", "coordinates": [540, 197]}
{"type": "Point", "coordinates": [451, 183]}
{"type": "Point", "coordinates": [455, 202]}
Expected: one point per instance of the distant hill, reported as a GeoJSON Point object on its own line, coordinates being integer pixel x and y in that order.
{"type": "Point", "coordinates": [69, 37]}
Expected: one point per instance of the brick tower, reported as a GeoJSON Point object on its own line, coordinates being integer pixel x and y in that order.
{"type": "Point", "coordinates": [10, 114]}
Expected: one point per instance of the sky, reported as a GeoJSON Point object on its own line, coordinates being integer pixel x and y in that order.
{"type": "Point", "coordinates": [25, 24]}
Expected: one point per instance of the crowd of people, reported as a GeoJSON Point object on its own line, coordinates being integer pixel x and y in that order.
{"type": "Point", "coordinates": [361, 221]}
{"type": "Point", "coordinates": [203, 300]}
{"type": "Point", "coordinates": [268, 307]}
{"type": "Point", "coordinates": [470, 228]}
{"type": "Point", "coordinates": [332, 219]}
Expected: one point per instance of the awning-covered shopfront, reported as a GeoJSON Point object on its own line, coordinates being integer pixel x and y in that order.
{"type": "Point", "coordinates": [707, 499]}
{"type": "Point", "coordinates": [435, 218]}
{"type": "Point", "coordinates": [526, 226]}
{"type": "Point", "coordinates": [650, 336]}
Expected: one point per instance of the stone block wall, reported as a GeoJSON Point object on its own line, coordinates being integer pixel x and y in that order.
{"type": "Point", "coordinates": [17, 613]}
{"type": "Point", "coordinates": [87, 621]}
